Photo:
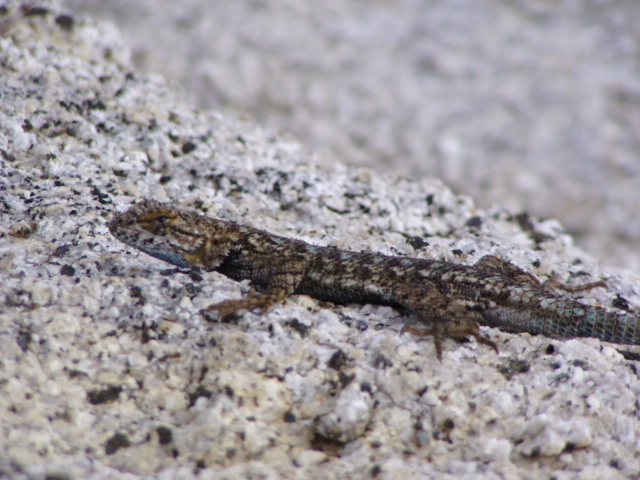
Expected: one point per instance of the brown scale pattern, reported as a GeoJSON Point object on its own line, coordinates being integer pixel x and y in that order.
{"type": "Point", "coordinates": [448, 299]}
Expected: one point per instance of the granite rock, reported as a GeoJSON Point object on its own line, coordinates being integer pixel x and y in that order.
{"type": "Point", "coordinates": [109, 371]}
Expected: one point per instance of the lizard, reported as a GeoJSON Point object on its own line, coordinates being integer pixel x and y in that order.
{"type": "Point", "coordinates": [447, 299]}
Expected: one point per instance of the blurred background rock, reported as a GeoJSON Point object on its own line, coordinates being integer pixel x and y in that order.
{"type": "Point", "coordinates": [529, 104]}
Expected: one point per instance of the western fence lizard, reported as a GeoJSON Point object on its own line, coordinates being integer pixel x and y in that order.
{"type": "Point", "coordinates": [451, 300]}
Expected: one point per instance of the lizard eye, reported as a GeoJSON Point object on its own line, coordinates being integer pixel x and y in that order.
{"type": "Point", "coordinates": [162, 219]}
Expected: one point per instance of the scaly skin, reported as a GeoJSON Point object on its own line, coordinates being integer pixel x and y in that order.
{"type": "Point", "coordinates": [451, 300]}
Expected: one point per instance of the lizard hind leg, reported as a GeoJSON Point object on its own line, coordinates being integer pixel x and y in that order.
{"type": "Point", "coordinates": [458, 326]}
{"type": "Point", "coordinates": [504, 267]}
{"type": "Point", "coordinates": [510, 270]}
{"type": "Point", "coordinates": [554, 283]}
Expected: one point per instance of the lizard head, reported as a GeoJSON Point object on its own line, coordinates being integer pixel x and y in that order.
{"type": "Point", "coordinates": [161, 231]}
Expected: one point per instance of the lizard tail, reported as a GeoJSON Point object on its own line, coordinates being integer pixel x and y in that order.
{"type": "Point", "coordinates": [566, 319]}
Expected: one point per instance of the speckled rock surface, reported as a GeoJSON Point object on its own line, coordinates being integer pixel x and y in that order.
{"type": "Point", "coordinates": [109, 371]}
{"type": "Point", "coordinates": [530, 105]}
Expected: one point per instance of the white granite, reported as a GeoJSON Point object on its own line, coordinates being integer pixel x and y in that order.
{"type": "Point", "coordinates": [530, 105]}
{"type": "Point", "coordinates": [109, 371]}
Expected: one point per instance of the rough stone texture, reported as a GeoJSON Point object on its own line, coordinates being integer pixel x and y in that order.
{"type": "Point", "coordinates": [530, 105]}
{"type": "Point", "coordinates": [108, 370]}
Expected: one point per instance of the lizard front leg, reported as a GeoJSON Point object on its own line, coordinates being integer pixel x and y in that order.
{"type": "Point", "coordinates": [281, 284]}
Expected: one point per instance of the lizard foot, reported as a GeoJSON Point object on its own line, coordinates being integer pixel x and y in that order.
{"type": "Point", "coordinates": [252, 300]}
{"type": "Point", "coordinates": [440, 331]}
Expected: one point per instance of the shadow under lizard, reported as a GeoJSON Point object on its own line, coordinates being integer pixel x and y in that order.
{"type": "Point", "coordinates": [449, 299]}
